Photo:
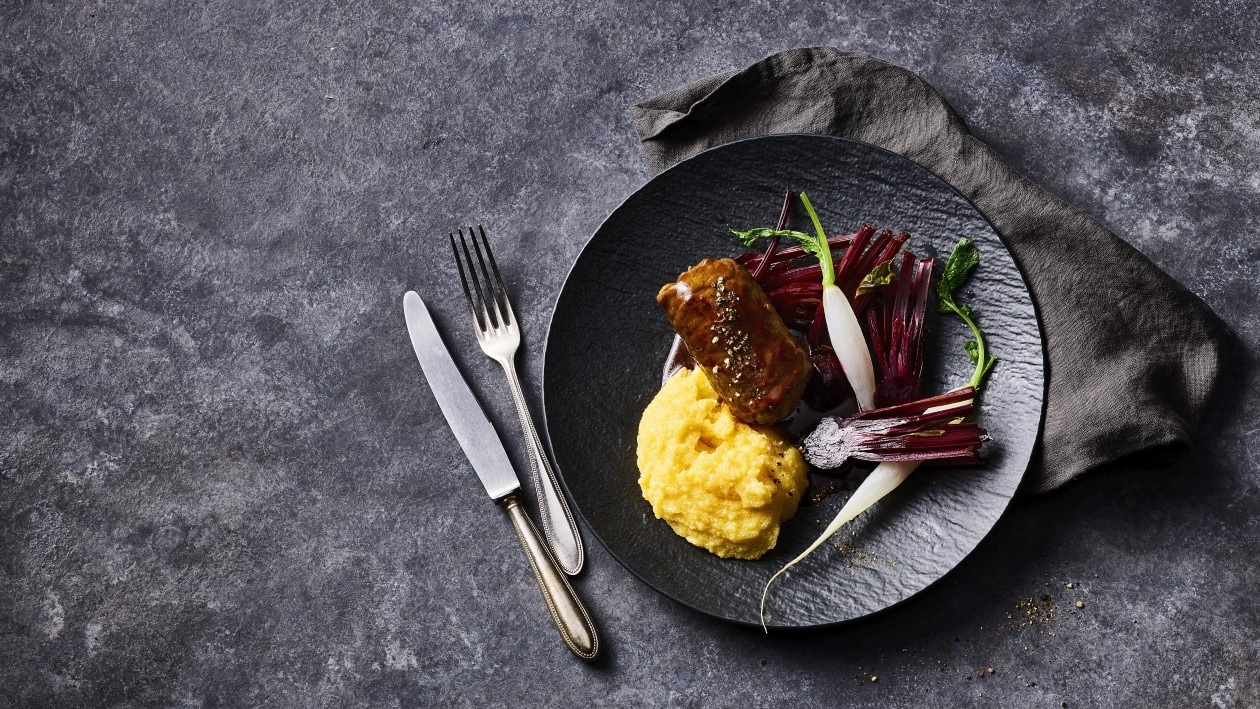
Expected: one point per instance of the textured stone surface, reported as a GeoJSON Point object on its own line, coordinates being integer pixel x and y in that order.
{"type": "Point", "coordinates": [223, 483]}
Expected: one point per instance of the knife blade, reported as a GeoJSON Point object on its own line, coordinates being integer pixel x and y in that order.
{"type": "Point", "coordinates": [484, 449]}
{"type": "Point", "coordinates": [467, 419]}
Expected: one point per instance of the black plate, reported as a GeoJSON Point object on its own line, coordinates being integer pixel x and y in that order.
{"type": "Point", "coordinates": [608, 340]}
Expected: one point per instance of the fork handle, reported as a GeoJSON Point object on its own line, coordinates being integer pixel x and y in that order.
{"type": "Point", "coordinates": [559, 525]}
{"type": "Point", "coordinates": [571, 619]}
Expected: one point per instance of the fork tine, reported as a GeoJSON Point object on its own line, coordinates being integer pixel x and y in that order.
{"type": "Point", "coordinates": [490, 291]}
{"type": "Point", "coordinates": [481, 296]}
{"type": "Point", "coordinates": [507, 302]}
{"type": "Point", "coordinates": [459, 263]}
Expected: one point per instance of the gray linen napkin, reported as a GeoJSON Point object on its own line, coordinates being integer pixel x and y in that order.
{"type": "Point", "coordinates": [1132, 356]}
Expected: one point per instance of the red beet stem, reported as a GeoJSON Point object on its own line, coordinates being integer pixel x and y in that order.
{"type": "Point", "coordinates": [911, 408]}
{"type": "Point", "coordinates": [884, 248]}
{"type": "Point", "coordinates": [803, 274]}
{"type": "Point", "coordinates": [849, 264]}
{"type": "Point", "coordinates": [896, 332]}
{"type": "Point", "coordinates": [916, 430]}
{"type": "Point", "coordinates": [750, 259]}
{"type": "Point", "coordinates": [774, 242]}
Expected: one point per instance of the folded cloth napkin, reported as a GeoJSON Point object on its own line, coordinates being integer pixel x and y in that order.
{"type": "Point", "coordinates": [1132, 356]}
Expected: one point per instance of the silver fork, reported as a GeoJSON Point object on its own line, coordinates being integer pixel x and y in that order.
{"type": "Point", "coordinates": [500, 337]}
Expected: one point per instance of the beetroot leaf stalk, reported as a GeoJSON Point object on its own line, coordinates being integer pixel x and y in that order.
{"type": "Point", "coordinates": [782, 259]}
{"type": "Point", "coordinates": [896, 332]}
{"type": "Point", "coordinates": [862, 258]}
{"type": "Point", "coordinates": [774, 242]}
{"type": "Point", "coordinates": [927, 429]}
{"type": "Point", "coordinates": [828, 387]}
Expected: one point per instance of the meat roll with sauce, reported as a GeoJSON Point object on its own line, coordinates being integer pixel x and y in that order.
{"type": "Point", "coordinates": [734, 334]}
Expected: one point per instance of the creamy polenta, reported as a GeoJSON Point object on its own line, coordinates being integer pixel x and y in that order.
{"type": "Point", "coordinates": [720, 483]}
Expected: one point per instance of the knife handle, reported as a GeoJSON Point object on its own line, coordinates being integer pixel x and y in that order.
{"type": "Point", "coordinates": [574, 623]}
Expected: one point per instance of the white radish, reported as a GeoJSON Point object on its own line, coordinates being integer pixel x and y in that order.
{"type": "Point", "coordinates": [883, 479]}
{"type": "Point", "coordinates": [850, 345]}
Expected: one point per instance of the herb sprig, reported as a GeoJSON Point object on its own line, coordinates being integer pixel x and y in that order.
{"type": "Point", "coordinates": [962, 260]}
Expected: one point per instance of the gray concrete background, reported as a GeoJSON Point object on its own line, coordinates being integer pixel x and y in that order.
{"type": "Point", "coordinates": [222, 482]}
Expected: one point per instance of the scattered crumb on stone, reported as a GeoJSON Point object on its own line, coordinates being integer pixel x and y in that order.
{"type": "Point", "coordinates": [1033, 610]}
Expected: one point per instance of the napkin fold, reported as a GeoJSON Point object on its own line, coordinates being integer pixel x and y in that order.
{"type": "Point", "coordinates": [1132, 356]}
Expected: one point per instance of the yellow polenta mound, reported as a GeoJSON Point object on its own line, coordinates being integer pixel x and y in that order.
{"type": "Point", "coordinates": [720, 483]}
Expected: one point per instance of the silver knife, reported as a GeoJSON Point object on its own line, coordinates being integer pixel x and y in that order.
{"type": "Point", "coordinates": [485, 451]}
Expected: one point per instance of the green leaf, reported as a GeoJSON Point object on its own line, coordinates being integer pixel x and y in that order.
{"type": "Point", "coordinates": [964, 258]}
{"type": "Point", "coordinates": [752, 236]}
{"type": "Point", "coordinates": [879, 276]}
